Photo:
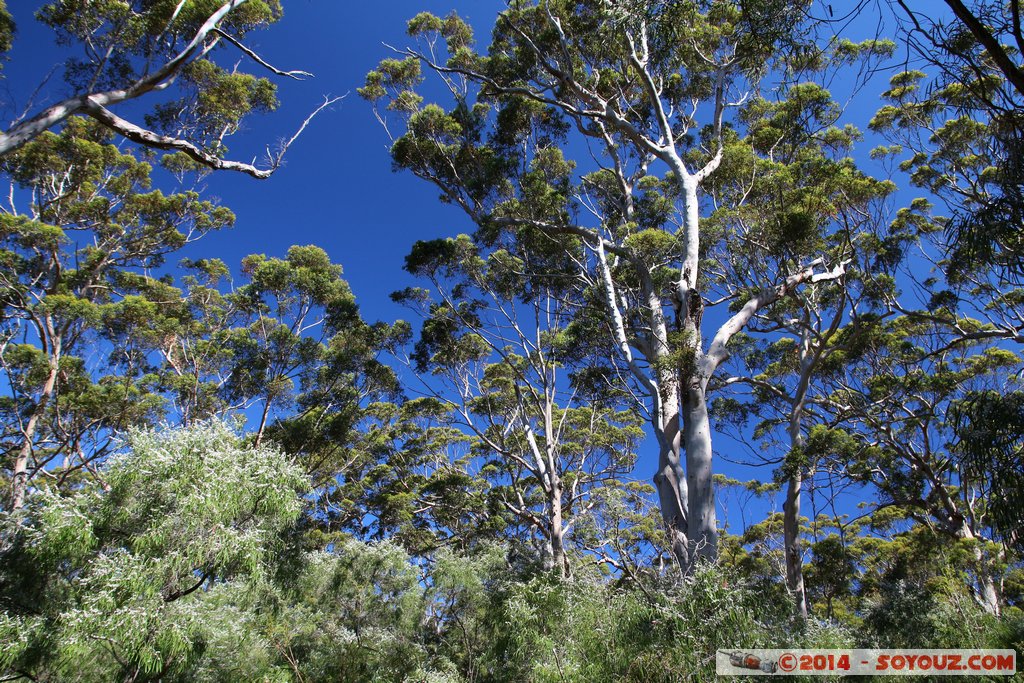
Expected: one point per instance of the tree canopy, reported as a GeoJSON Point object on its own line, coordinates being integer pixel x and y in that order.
{"type": "Point", "coordinates": [715, 352]}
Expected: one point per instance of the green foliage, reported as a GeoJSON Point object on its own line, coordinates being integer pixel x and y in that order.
{"type": "Point", "coordinates": [73, 259]}
{"type": "Point", "coordinates": [486, 529]}
{"type": "Point", "coordinates": [349, 614]}
{"type": "Point", "coordinates": [120, 50]}
{"type": "Point", "coordinates": [289, 336]}
{"type": "Point", "coordinates": [988, 427]}
{"type": "Point", "coordinates": [6, 30]}
{"type": "Point", "coordinates": [215, 102]}
{"type": "Point", "coordinates": [116, 568]}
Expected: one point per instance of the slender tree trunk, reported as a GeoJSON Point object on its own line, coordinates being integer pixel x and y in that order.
{"type": "Point", "coordinates": [19, 483]}
{"type": "Point", "coordinates": [553, 557]}
{"type": "Point", "coordinates": [263, 422]}
{"type": "Point", "coordinates": [702, 532]}
{"type": "Point", "coordinates": [670, 481]}
{"type": "Point", "coordinates": [791, 508]}
{"type": "Point", "coordinates": [794, 489]}
{"type": "Point", "coordinates": [556, 539]}
{"type": "Point", "coordinates": [791, 546]}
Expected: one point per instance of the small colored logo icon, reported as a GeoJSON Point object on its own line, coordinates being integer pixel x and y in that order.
{"type": "Point", "coordinates": [746, 660]}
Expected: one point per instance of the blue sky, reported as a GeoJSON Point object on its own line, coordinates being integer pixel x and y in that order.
{"type": "Point", "coordinates": [337, 189]}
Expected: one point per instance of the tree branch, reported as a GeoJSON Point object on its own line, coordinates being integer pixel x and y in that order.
{"type": "Point", "coordinates": [717, 352]}
{"type": "Point", "coordinates": [191, 589]}
{"type": "Point", "coordinates": [95, 104]}
{"type": "Point", "coordinates": [24, 132]}
{"type": "Point", "coordinates": [1013, 74]}
{"type": "Point", "coordinates": [296, 74]}
{"type": "Point", "coordinates": [148, 138]}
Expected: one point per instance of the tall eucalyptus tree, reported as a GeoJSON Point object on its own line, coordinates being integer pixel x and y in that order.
{"type": "Point", "coordinates": [499, 349]}
{"type": "Point", "coordinates": [603, 125]}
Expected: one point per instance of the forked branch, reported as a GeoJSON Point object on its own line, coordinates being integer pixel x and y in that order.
{"type": "Point", "coordinates": [96, 104]}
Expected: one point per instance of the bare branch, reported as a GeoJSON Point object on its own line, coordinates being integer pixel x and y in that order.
{"type": "Point", "coordinates": [717, 352]}
{"type": "Point", "coordinates": [296, 74]}
{"type": "Point", "coordinates": [149, 138]}
{"type": "Point", "coordinates": [24, 132]}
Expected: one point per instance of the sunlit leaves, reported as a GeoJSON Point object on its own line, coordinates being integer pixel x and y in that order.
{"type": "Point", "coordinates": [177, 511]}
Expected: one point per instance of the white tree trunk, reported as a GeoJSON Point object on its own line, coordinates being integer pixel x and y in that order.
{"type": "Point", "coordinates": [670, 482]}
{"type": "Point", "coordinates": [557, 538]}
{"type": "Point", "coordinates": [791, 546]}
{"type": "Point", "coordinates": [702, 531]}
{"type": "Point", "coordinates": [794, 489]}
{"type": "Point", "coordinates": [19, 482]}
{"type": "Point", "coordinates": [988, 593]}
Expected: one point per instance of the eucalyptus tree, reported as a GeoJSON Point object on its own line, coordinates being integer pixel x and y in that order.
{"type": "Point", "coordinates": [958, 129]}
{"type": "Point", "coordinates": [301, 354]}
{"type": "Point", "coordinates": [988, 426]}
{"type": "Point", "coordinates": [958, 123]}
{"type": "Point", "coordinates": [95, 342]}
{"type": "Point", "coordinates": [650, 101]}
{"type": "Point", "coordinates": [123, 51]}
{"type": "Point", "coordinates": [298, 336]}
{"type": "Point", "coordinates": [88, 221]}
{"type": "Point", "coordinates": [892, 415]}
{"type": "Point", "coordinates": [497, 340]}
{"type": "Point", "coordinates": [285, 344]}
{"type": "Point", "coordinates": [807, 182]}
{"type": "Point", "coordinates": [970, 108]}
{"type": "Point", "coordinates": [782, 396]}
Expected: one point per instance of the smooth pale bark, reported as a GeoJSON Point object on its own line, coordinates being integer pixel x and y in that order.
{"type": "Point", "coordinates": [556, 534]}
{"type": "Point", "coordinates": [158, 79]}
{"type": "Point", "coordinates": [263, 422]}
{"type": "Point", "coordinates": [702, 532]}
{"type": "Point", "coordinates": [988, 592]}
{"type": "Point", "coordinates": [671, 485]}
{"type": "Point", "coordinates": [791, 546]}
{"type": "Point", "coordinates": [673, 374]}
{"type": "Point", "coordinates": [702, 528]}
{"type": "Point", "coordinates": [670, 480]}
{"type": "Point", "coordinates": [95, 104]}
{"type": "Point", "coordinates": [19, 482]}
{"type": "Point", "coordinates": [986, 589]}
{"type": "Point", "coordinates": [794, 487]}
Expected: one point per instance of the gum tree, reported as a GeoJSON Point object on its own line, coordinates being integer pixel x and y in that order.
{"type": "Point", "coordinates": [69, 255]}
{"type": "Point", "coordinates": [125, 51]}
{"type": "Point", "coordinates": [648, 100]}
{"type": "Point", "coordinates": [970, 128]}
{"type": "Point", "coordinates": [810, 198]}
{"type": "Point", "coordinates": [891, 423]}
{"type": "Point", "coordinates": [496, 344]}
{"type": "Point", "coordinates": [94, 339]}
